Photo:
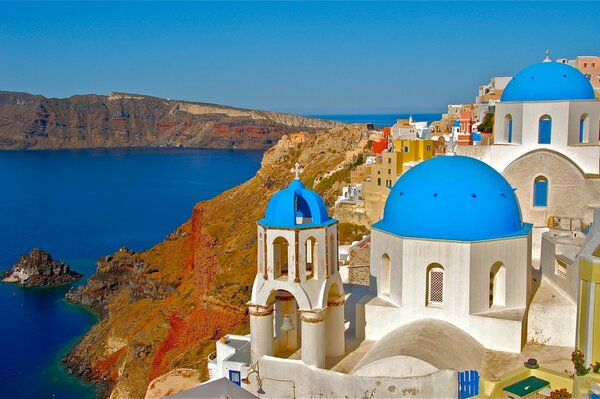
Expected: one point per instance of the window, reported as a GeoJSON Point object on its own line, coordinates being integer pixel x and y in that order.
{"type": "Point", "coordinates": [545, 130]}
{"type": "Point", "coordinates": [435, 284]}
{"type": "Point", "coordinates": [560, 269]}
{"type": "Point", "coordinates": [405, 148]}
{"type": "Point", "coordinates": [280, 256]}
{"type": "Point", "coordinates": [508, 127]}
{"type": "Point", "coordinates": [385, 274]}
{"type": "Point", "coordinates": [428, 148]}
{"type": "Point", "coordinates": [497, 285]}
{"type": "Point", "coordinates": [585, 64]}
{"type": "Point", "coordinates": [389, 171]}
{"type": "Point", "coordinates": [593, 65]}
{"type": "Point", "coordinates": [379, 181]}
{"type": "Point", "coordinates": [234, 376]}
{"type": "Point", "coordinates": [540, 191]}
{"type": "Point", "coordinates": [389, 160]}
{"type": "Point", "coordinates": [583, 128]}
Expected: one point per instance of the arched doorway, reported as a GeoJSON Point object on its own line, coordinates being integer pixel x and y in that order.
{"type": "Point", "coordinates": [497, 295]}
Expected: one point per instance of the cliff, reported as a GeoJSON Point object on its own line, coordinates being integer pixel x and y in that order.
{"type": "Point", "coordinates": [121, 120]}
{"type": "Point", "coordinates": [165, 307]}
{"type": "Point", "coordinates": [38, 269]}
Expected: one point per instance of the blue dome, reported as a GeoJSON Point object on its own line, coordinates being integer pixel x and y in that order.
{"type": "Point", "coordinates": [296, 206]}
{"type": "Point", "coordinates": [548, 81]}
{"type": "Point", "coordinates": [452, 198]}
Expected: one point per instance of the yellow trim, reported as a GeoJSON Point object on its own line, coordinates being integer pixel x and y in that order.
{"type": "Point", "coordinates": [596, 327]}
{"type": "Point", "coordinates": [582, 316]}
{"type": "Point", "coordinates": [589, 271]}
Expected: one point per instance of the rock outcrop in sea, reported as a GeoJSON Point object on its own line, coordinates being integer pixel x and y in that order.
{"type": "Point", "coordinates": [38, 269]}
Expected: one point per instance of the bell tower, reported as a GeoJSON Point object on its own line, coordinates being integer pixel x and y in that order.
{"type": "Point", "coordinates": [297, 297]}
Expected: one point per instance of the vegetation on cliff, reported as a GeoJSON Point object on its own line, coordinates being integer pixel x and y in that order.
{"type": "Point", "coordinates": [197, 281]}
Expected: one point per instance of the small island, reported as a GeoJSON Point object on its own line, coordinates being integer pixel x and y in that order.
{"type": "Point", "coordinates": [38, 269]}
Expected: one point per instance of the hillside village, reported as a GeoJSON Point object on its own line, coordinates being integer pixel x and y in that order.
{"type": "Point", "coordinates": [480, 276]}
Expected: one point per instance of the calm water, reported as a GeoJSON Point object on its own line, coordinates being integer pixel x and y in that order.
{"type": "Point", "coordinates": [79, 205]}
{"type": "Point", "coordinates": [379, 119]}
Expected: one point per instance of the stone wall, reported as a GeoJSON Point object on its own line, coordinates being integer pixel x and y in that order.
{"type": "Point", "coordinates": [359, 270]}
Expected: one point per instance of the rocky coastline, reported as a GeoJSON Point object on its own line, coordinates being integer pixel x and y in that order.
{"type": "Point", "coordinates": [38, 269]}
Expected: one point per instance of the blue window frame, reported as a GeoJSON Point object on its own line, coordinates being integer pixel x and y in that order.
{"type": "Point", "coordinates": [583, 121]}
{"type": "Point", "coordinates": [509, 128]}
{"type": "Point", "coordinates": [540, 191]}
{"type": "Point", "coordinates": [235, 377]}
{"type": "Point", "coordinates": [406, 149]}
{"type": "Point", "coordinates": [545, 130]}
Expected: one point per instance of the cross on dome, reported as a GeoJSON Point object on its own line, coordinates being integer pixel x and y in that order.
{"type": "Point", "coordinates": [297, 169]}
{"type": "Point", "coordinates": [547, 59]}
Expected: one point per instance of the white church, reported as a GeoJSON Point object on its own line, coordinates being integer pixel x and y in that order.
{"type": "Point", "coordinates": [451, 260]}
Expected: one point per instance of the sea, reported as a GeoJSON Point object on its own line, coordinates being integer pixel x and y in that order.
{"type": "Point", "coordinates": [379, 120]}
{"type": "Point", "coordinates": [79, 205]}
{"type": "Point", "coordinates": [82, 204]}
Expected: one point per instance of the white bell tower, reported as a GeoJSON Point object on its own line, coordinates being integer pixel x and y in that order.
{"type": "Point", "coordinates": [297, 296]}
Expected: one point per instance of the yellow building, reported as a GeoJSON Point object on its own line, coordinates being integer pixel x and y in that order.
{"type": "Point", "coordinates": [387, 169]}
{"type": "Point", "coordinates": [588, 318]}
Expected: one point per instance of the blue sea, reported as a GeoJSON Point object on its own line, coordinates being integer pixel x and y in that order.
{"type": "Point", "coordinates": [79, 205]}
{"type": "Point", "coordinates": [378, 120]}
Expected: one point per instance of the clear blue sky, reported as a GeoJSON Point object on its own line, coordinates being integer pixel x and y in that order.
{"type": "Point", "coordinates": [295, 57]}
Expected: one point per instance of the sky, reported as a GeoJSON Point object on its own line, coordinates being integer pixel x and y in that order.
{"type": "Point", "coordinates": [308, 58]}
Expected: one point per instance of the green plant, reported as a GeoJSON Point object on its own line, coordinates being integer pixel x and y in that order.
{"type": "Point", "coordinates": [595, 367]}
{"type": "Point", "coordinates": [358, 160]}
{"type": "Point", "coordinates": [487, 125]}
{"type": "Point", "coordinates": [578, 360]}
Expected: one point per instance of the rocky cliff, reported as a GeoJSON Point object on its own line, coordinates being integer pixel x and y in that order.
{"type": "Point", "coordinates": [165, 307]}
{"type": "Point", "coordinates": [121, 120]}
{"type": "Point", "coordinates": [38, 269]}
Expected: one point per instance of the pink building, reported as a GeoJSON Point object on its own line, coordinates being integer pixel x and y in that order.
{"type": "Point", "coordinates": [590, 67]}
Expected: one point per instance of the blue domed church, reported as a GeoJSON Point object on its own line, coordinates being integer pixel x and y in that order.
{"type": "Point", "coordinates": [452, 247]}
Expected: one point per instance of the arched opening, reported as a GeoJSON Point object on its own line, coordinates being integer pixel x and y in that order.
{"type": "Point", "coordinates": [584, 129]}
{"type": "Point", "coordinates": [540, 191]}
{"type": "Point", "coordinates": [435, 284]}
{"type": "Point", "coordinates": [286, 323]}
{"type": "Point", "coordinates": [333, 255]}
{"type": "Point", "coordinates": [497, 295]}
{"type": "Point", "coordinates": [508, 127]}
{"type": "Point", "coordinates": [280, 256]}
{"type": "Point", "coordinates": [545, 130]}
{"type": "Point", "coordinates": [385, 274]}
{"type": "Point", "coordinates": [310, 247]}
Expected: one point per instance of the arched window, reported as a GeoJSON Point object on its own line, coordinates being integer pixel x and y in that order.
{"type": "Point", "coordinates": [405, 148]}
{"type": "Point", "coordinates": [280, 256]}
{"type": "Point", "coordinates": [311, 257]}
{"type": "Point", "coordinates": [385, 274]}
{"type": "Point", "coordinates": [545, 130]}
{"type": "Point", "coordinates": [435, 284]}
{"type": "Point", "coordinates": [508, 127]}
{"type": "Point", "coordinates": [497, 285]}
{"type": "Point", "coordinates": [540, 191]}
{"type": "Point", "coordinates": [584, 127]}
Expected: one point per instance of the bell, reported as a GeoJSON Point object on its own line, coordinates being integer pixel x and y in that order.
{"type": "Point", "coordinates": [287, 324]}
